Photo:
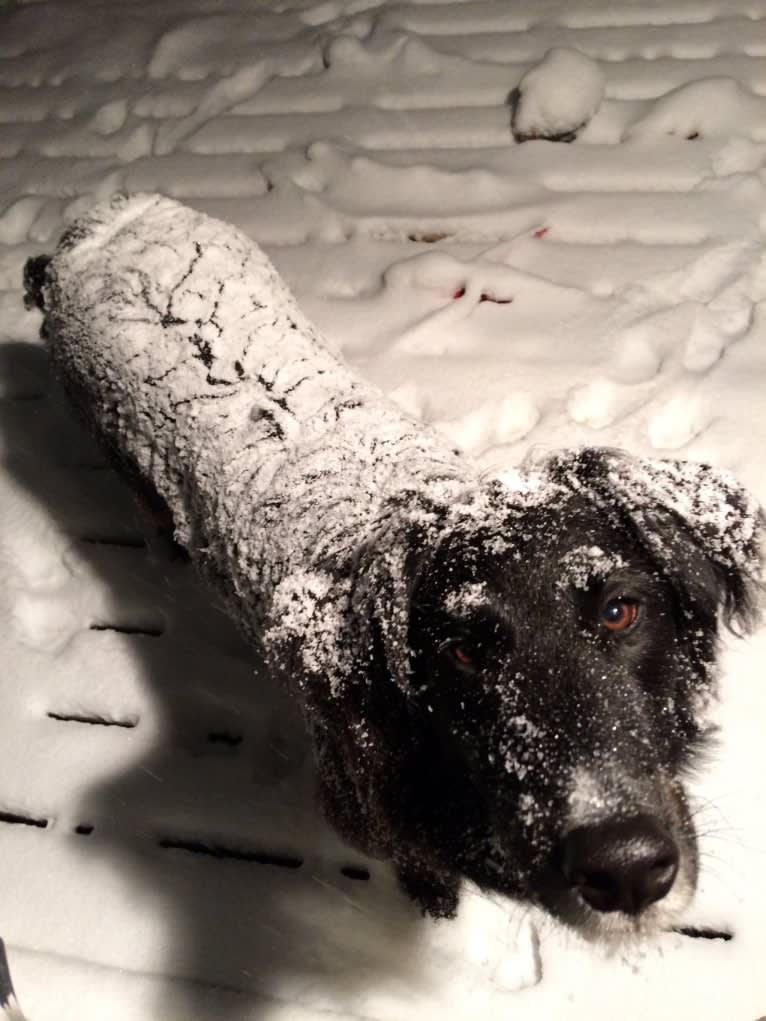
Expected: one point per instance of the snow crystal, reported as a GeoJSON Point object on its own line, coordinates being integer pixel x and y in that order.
{"type": "Point", "coordinates": [726, 519]}
{"type": "Point", "coordinates": [581, 566]}
{"type": "Point", "coordinates": [317, 633]}
{"type": "Point", "coordinates": [530, 486]}
{"type": "Point", "coordinates": [467, 598]}
{"type": "Point", "coordinates": [588, 797]}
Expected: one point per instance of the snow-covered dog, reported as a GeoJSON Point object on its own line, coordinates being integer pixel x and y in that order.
{"type": "Point", "coordinates": [501, 676]}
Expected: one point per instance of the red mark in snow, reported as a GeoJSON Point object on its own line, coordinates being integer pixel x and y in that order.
{"type": "Point", "coordinates": [541, 232]}
{"type": "Point", "coordinates": [484, 297]}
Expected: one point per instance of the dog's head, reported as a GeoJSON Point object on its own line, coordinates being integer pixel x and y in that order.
{"type": "Point", "coordinates": [564, 660]}
{"type": "Point", "coordinates": [526, 691]}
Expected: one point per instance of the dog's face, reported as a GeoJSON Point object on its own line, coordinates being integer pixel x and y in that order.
{"type": "Point", "coordinates": [528, 687]}
{"type": "Point", "coordinates": [559, 665]}
{"type": "Point", "coordinates": [561, 668]}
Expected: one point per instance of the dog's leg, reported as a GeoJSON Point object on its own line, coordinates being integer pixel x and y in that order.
{"type": "Point", "coordinates": [435, 891]}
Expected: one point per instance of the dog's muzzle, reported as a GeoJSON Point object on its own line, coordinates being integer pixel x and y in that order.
{"type": "Point", "coordinates": [620, 864]}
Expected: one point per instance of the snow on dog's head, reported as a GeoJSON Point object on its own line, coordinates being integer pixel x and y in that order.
{"type": "Point", "coordinates": [521, 703]}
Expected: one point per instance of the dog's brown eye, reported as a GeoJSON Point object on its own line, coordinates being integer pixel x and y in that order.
{"type": "Point", "coordinates": [619, 614]}
{"type": "Point", "coordinates": [462, 654]}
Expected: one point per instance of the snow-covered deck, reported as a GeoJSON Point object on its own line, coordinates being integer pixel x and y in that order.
{"type": "Point", "coordinates": [160, 854]}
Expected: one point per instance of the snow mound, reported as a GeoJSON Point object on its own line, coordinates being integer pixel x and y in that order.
{"type": "Point", "coordinates": [558, 97]}
{"type": "Point", "coordinates": [713, 107]}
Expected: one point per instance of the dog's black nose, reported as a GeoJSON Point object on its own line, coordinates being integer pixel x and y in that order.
{"type": "Point", "coordinates": [620, 864]}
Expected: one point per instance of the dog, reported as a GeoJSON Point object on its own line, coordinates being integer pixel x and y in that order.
{"type": "Point", "coordinates": [503, 677]}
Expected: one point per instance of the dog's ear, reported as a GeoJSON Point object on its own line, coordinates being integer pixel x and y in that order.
{"type": "Point", "coordinates": [381, 600]}
{"type": "Point", "coordinates": [333, 627]}
{"type": "Point", "coordinates": [306, 629]}
{"type": "Point", "coordinates": [698, 523]}
{"type": "Point", "coordinates": [342, 634]}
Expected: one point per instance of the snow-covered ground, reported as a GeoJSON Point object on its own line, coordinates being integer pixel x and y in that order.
{"type": "Point", "coordinates": [160, 854]}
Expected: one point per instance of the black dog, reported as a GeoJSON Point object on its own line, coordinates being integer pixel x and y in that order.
{"type": "Point", "coordinates": [503, 678]}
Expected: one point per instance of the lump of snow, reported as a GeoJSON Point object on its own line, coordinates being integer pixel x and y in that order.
{"type": "Point", "coordinates": [462, 601]}
{"type": "Point", "coordinates": [557, 97]}
{"type": "Point", "coordinates": [110, 118]}
{"type": "Point", "coordinates": [713, 106]}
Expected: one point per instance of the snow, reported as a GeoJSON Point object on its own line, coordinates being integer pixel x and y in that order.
{"type": "Point", "coordinates": [581, 565]}
{"type": "Point", "coordinates": [518, 298]}
{"type": "Point", "coordinates": [494, 424]}
{"type": "Point", "coordinates": [558, 97]}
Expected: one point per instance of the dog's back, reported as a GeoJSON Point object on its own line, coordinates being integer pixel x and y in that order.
{"type": "Point", "coordinates": [185, 352]}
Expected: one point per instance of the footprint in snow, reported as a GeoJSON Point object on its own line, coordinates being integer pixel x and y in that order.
{"type": "Point", "coordinates": [493, 424]}
{"type": "Point", "coordinates": [678, 421]}
{"type": "Point", "coordinates": [671, 425]}
{"type": "Point", "coordinates": [411, 399]}
{"type": "Point", "coordinates": [708, 340]}
{"type": "Point", "coordinates": [640, 347]}
{"type": "Point", "coordinates": [601, 403]}
{"type": "Point", "coordinates": [703, 332]}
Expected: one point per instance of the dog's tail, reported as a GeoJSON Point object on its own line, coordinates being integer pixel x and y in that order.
{"type": "Point", "coordinates": [35, 278]}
